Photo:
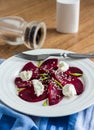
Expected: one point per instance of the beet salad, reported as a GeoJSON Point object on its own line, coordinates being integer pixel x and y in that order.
{"type": "Point", "coordinates": [51, 80]}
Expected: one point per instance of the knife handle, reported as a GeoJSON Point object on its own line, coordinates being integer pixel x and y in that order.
{"type": "Point", "coordinates": [75, 55]}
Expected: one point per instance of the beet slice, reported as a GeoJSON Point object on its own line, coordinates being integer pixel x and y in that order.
{"type": "Point", "coordinates": [49, 64]}
{"type": "Point", "coordinates": [29, 66]}
{"type": "Point", "coordinates": [54, 94]}
{"type": "Point", "coordinates": [63, 77]}
{"type": "Point", "coordinates": [29, 95]}
{"type": "Point", "coordinates": [33, 68]}
{"type": "Point", "coordinates": [78, 86]}
{"type": "Point", "coordinates": [75, 71]}
{"type": "Point", "coordinates": [21, 84]}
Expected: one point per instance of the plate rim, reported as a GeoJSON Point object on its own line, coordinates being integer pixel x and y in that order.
{"type": "Point", "coordinates": [55, 109]}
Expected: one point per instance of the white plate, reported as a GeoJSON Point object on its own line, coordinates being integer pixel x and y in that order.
{"type": "Point", "coordinates": [10, 68]}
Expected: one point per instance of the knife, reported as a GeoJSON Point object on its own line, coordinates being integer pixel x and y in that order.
{"type": "Point", "coordinates": [44, 56]}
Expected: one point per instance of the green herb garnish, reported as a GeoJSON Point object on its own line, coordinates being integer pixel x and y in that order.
{"type": "Point", "coordinates": [20, 89]}
{"type": "Point", "coordinates": [45, 103]}
{"type": "Point", "coordinates": [58, 83]}
{"type": "Point", "coordinates": [44, 74]}
{"type": "Point", "coordinates": [39, 63]}
{"type": "Point", "coordinates": [45, 78]}
{"type": "Point", "coordinates": [76, 74]}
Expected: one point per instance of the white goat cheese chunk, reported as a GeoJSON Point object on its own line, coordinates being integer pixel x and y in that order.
{"type": "Point", "coordinates": [69, 90]}
{"type": "Point", "coordinates": [63, 66]}
{"type": "Point", "coordinates": [25, 75]}
{"type": "Point", "coordinates": [38, 87]}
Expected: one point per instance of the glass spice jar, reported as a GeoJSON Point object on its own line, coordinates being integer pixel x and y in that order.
{"type": "Point", "coordinates": [15, 30]}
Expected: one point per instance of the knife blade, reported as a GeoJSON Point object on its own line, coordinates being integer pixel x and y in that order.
{"type": "Point", "coordinates": [44, 56]}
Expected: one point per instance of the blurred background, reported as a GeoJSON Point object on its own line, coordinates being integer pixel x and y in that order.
{"type": "Point", "coordinates": [45, 10]}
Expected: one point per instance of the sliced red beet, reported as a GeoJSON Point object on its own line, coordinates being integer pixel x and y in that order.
{"type": "Point", "coordinates": [74, 70]}
{"type": "Point", "coordinates": [21, 84]}
{"type": "Point", "coordinates": [33, 68]}
{"type": "Point", "coordinates": [35, 74]}
{"type": "Point", "coordinates": [54, 94]}
{"type": "Point", "coordinates": [78, 86]}
{"type": "Point", "coordinates": [29, 66]}
{"type": "Point", "coordinates": [49, 64]}
{"type": "Point", "coordinates": [63, 77]}
{"type": "Point", "coordinates": [29, 95]}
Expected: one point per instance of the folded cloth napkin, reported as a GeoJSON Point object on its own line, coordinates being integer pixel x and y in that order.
{"type": "Point", "coordinates": [12, 120]}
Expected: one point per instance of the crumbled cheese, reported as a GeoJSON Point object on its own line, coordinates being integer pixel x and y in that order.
{"type": "Point", "coordinates": [63, 66]}
{"type": "Point", "coordinates": [69, 90]}
{"type": "Point", "coordinates": [25, 75]}
{"type": "Point", "coordinates": [38, 87]}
